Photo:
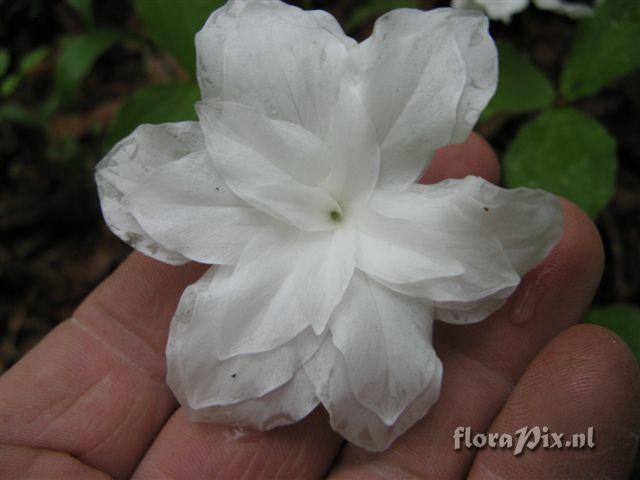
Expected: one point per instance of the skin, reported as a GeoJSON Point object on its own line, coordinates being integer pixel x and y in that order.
{"type": "Point", "coordinates": [90, 402]}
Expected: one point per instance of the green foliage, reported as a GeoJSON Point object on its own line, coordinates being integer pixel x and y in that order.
{"type": "Point", "coordinates": [5, 61]}
{"type": "Point", "coordinates": [28, 64]}
{"type": "Point", "coordinates": [171, 102]}
{"type": "Point", "coordinates": [522, 87]}
{"type": "Point", "coordinates": [173, 24]}
{"type": "Point", "coordinates": [606, 47]}
{"type": "Point", "coordinates": [565, 152]}
{"type": "Point", "coordinates": [78, 54]}
{"type": "Point", "coordinates": [374, 8]}
{"type": "Point", "coordinates": [624, 320]}
{"type": "Point", "coordinates": [84, 8]}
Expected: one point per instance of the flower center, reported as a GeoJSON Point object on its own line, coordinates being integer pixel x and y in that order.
{"type": "Point", "coordinates": [335, 215]}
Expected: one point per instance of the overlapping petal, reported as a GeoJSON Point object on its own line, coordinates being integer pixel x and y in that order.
{"type": "Point", "coordinates": [496, 9]}
{"type": "Point", "coordinates": [187, 208]}
{"type": "Point", "coordinates": [328, 371]}
{"type": "Point", "coordinates": [262, 390]}
{"type": "Point", "coordinates": [273, 56]}
{"type": "Point", "coordinates": [286, 281]}
{"type": "Point", "coordinates": [421, 110]}
{"type": "Point", "coordinates": [497, 235]}
{"type": "Point", "coordinates": [128, 164]}
{"type": "Point", "coordinates": [271, 164]}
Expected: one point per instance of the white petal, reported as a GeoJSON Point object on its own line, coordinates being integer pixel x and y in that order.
{"type": "Point", "coordinates": [497, 235]}
{"type": "Point", "coordinates": [449, 72]}
{"type": "Point", "coordinates": [286, 280]}
{"type": "Point", "coordinates": [287, 404]}
{"type": "Point", "coordinates": [260, 391]}
{"type": "Point", "coordinates": [187, 208]}
{"type": "Point", "coordinates": [496, 9]}
{"type": "Point", "coordinates": [128, 163]}
{"type": "Point", "coordinates": [272, 165]}
{"type": "Point", "coordinates": [385, 339]}
{"type": "Point", "coordinates": [274, 56]}
{"type": "Point", "coordinates": [354, 148]}
{"type": "Point", "coordinates": [361, 426]}
{"type": "Point", "coordinates": [570, 9]}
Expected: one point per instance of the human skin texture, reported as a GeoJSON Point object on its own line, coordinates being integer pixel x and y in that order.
{"type": "Point", "coordinates": [90, 400]}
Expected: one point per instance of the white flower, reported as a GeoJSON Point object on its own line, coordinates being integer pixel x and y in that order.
{"type": "Point", "coordinates": [504, 9]}
{"type": "Point", "coordinates": [299, 182]}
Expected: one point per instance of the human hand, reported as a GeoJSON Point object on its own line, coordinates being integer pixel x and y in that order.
{"type": "Point", "coordinates": [90, 400]}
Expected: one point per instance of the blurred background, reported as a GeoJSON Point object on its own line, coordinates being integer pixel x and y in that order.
{"type": "Point", "coordinates": [77, 75]}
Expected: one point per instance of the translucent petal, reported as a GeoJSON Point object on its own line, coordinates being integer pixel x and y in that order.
{"type": "Point", "coordinates": [272, 165]}
{"type": "Point", "coordinates": [213, 388]}
{"type": "Point", "coordinates": [385, 339]}
{"type": "Point", "coordinates": [273, 56]}
{"type": "Point", "coordinates": [329, 373]}
{"type": "Point", "coordinates": [187, 208]}
{"type": "Point", "coordinates": [497, 235]}
{"type": "Point", "coordinates": [128, 163]}
{"type": "Point", "coordinates": [286, 280]}
{"type": "Point", "coordinates": [570, 9]}
{"type": "Point", "coordinates": [449, 72]}
{"type": "Point", "coordinates": [354, 148]}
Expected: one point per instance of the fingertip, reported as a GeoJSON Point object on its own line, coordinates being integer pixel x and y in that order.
{"type": "Point", "coordinates": [473, 157]}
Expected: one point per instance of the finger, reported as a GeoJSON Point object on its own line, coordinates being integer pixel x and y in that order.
{"type": "Point", "coordinates": [94, 387]}
{"type": "Point", "coordinates": [586, 377]}
{"type": "Point", "coordinates": [311, 444]}
{"type": "Point", "coordinates": [483, 361]}
{"type": "Point", "coordinates": [473, 157]}
{"type": "Point", "coordinates": [185, 450]}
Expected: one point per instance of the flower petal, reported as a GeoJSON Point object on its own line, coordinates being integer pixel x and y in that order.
{"type": "Point", "coordinates": [354, 148]}
{"type": "Point", "coordinates": [128, 163]}
{"type": "Point", "coordinates": [286, 280]}
{"type": "Point", "coordinates": [186, 207]}
{"type": "Point", "coordinates": [449, 72]}
{"type": "Point", "coordinates": [497, 10]}
{"type": "Point", "coordinates": [271, 164]}
{"type": "Point", "coordinates": [329, 373]}
{"type": "Point", "coordinates": [570, 9]}
{"type": "Point", "coordinates": [273, 56]}
{"type": "Point", "coordinates": [497, 235]}
{"type": "Point", "coordinates": [226, 390]}
{"type": "Point", "coordinates": [385, 339]}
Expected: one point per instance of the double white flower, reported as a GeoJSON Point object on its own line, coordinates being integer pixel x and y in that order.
{"type": "Point", "coordinates": [299, 181]}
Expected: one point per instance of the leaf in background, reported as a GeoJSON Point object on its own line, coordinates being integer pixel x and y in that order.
{"type": "Point", "coordinates": [374, 8]}
{"type": "Point", "coordinates": [565, 152]}
{"type": "Point", "coordinates": [84, 8]}
{"type": "Point", "coordinates": [624, 320]}
{"type": "Point", "coordinates": [522, 87]}
{"type": "Point", "coordinates": [171, 102]}
{"type": "Point", "coordinates": [78, 54]}
{"type": "Point", "coordinates": [606, 47]}
{"type": "Point", "coordinates": [173, 24]}
{"type": "Point", "coordinates": [33, 60]}
{"type": "Point", "coordinates": [5, 61]}
{"type": "Point", "coordinates": [9, 85]}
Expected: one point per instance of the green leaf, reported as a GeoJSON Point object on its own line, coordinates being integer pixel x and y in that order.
{"type": "Point", "coordinates": [522, 87]}
{"type": "Point", "coordinates": [374, 8]}
{"type": "Point", "coordinates": [13, 113]}
{"type": "Point", "coordinates": [5, 61]}
{"type": "Point", "coordinates": [624, 320]}
{"type": "Point", "coordinates": [171, 102]}
{"type": "Point", "coordinates": [565, 152]}
{"type": "Point", "coordinates": [606, 47]}
{"type": "Point", "coordinates": [173, 24]}
{"type": "Point", "coordinates": [84, 8]}
{"type": "Point", "coordinates": [78, 54]}
{"type": "Point", "coordinates": [9, 84]}
{"type": "Point", "coordinates": [33, 60]}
